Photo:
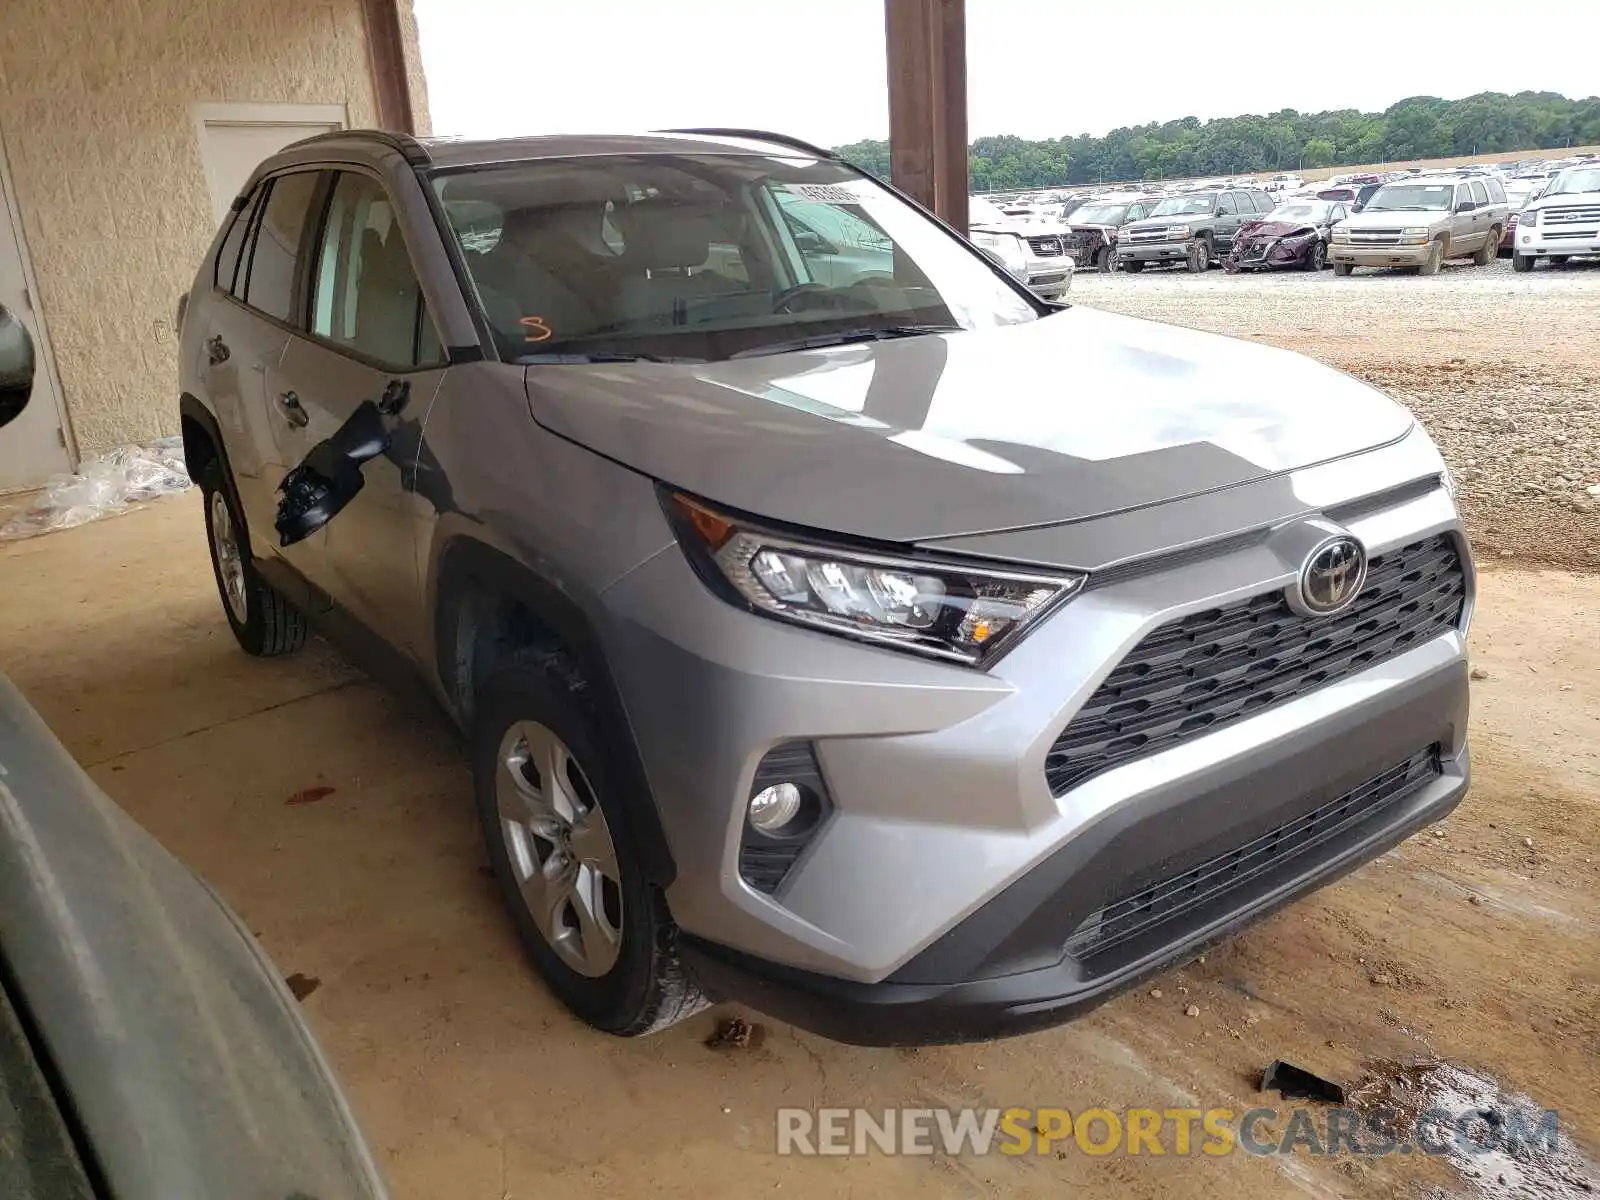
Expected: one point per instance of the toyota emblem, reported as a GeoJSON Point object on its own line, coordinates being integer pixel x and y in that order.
{"type": "Point", "coordinates": [1331, 578]}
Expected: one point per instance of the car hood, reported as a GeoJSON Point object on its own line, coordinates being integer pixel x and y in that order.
{"type": "Point", "coordinates": [1175, 219]}
{"type": "Point", "coordinates": [1077, 414]}
{"type": "Point", "coordinates": [1561, 200]}
{"type": "Point", "coordinates": [1381, 219]}
{"type": "Point", "coordinates": [1277, 229]}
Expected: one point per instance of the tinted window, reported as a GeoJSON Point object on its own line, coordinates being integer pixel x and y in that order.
{"type": "Point", "coordinates": [279, 235]}
{"type": "Point", "coordinates": [228, 255]}
{"type": "Point", "coordinates": [364, 294]}
{"type": "Point", "coordinates": [1226, 204]}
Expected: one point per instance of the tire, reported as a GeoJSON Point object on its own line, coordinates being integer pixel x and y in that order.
{"type": "Point", "coordinates": [1435, 259]}
{"type": "Point", "coordinates": [1105, 260]}
{"type": "Point", "coordinates": [263, 621]}
{"type": "Point", "coordinates": [1133, 266]}
{"type": "Point", "coordinates": [1343, 269]}
{"type": "Point", "coordinates": [1317, 257]}
{"type": "Point", "coordinates": [623, 977]}
{"type": "Point", "coordinates": [1521, 262]}
{"type": "Point", "coordinates": [1486, 252]}
{"type": "Point", "coordinates": [1199, 257]}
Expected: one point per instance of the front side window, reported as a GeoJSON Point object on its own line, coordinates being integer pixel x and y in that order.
{"type": "Point", "coordinates": [276, 253]}
{"type": "Point", "coordinates": [704, 257]}
{"type": "Point", "coordinates": [1412, 197]}
{"type": "Point", "coordinates": [1226, 206]}
{"type": "Point", "coordinates": [364, 293]}
{"type": "Point", "coordinates": [1183, 206]}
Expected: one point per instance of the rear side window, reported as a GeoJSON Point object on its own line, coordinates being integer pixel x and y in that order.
{"type": "Point", "coordinates": [364, 293]}
{"type": "Point", "coordinates": [1480, 194]}
{"type": "Point", "coordinates": [1497, 193]}
{"type": "Point", "coordinates": [228, 256]}
{"type": "Point", "coordinates": [279, 236]}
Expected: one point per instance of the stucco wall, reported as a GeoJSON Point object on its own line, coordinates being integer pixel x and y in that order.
{"type": "Point", "coordinates": [96, 100]}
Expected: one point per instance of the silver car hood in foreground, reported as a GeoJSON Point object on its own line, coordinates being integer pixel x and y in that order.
{"type": "Point", "coordinates": [188, 1068]}
{"type": "Point", "coordinates": [1079, 414]}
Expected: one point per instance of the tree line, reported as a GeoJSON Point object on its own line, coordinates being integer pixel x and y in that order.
{"type": "Point", "coordinates": [1418, 127]}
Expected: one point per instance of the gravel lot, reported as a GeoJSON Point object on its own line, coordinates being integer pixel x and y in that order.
{"type": "Point", "coordinates": [1503, 369]}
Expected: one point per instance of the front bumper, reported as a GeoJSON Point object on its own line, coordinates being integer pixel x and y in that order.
{"type": "Point", "coordinates": [948, 864]}
{"type": "Point", "coordinates": [1159, 252]}
{"type": "Point", "coordinates": [1378, 256]}
{"type": "Point", "coordinates": [1532, 243]}
{"type": "Point", "coordinates": [1050, 277]}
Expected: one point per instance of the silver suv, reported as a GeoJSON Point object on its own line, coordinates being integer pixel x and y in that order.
{"type": "Point", "coordinates": [819, 642]}
{"type": "Point", "coordinates": [1420, 222]}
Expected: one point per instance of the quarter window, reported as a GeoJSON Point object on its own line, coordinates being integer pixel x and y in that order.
{"type": "Point", "coordinates": [227, 277]}
{"type": "Point", "coordinates": [365, 296]}
{"type": "Point", "coordinates": [272, 261]}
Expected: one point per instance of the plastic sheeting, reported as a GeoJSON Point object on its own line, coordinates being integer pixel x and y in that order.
{"type": "Point", "coordinates": [113, 483]}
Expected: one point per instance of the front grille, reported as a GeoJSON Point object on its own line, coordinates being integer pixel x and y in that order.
{"type": "Point", "coordinates": [1147, 235]}
{"type": "Point", "coordinates": [1256, 251]}
{"type": "Point", "coordinates": [1199, 887]}
{"type": "Point", "coordinates": [1046, 247]}
{"type": "Point", "coordinates": [1580, 214]}
{"type": "Point", "coordinates": [1553, 235]}
{"type": "Point", "coordinates": [1209, 669]}
{"type": "Point", "coordinates": [1375, 237]}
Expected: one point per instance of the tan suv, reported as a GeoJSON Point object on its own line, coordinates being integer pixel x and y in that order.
{"type": "Point", "coordinates": [1421, 222]}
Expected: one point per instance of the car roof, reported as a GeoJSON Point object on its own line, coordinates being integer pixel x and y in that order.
{"type": "Point", "coordinates": [454, 152]}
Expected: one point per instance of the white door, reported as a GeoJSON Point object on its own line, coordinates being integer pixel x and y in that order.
{"type": "Point", "coordinates": [32, 448]}
{"type": "Point", "coordinates": [234, 138]}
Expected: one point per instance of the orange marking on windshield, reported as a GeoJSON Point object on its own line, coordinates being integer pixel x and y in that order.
{"type": "Point", "coordinates": [538, 331]}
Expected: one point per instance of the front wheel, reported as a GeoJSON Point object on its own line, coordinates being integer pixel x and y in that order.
{"type": "Point", "coordinates": [1343, 269]}
{"type": "Point", "coordinates": [1316, 257]}
{"type": "Point", "coordinates": [1487, 251]}
{"type": "Point", "coordinates": [1199, 256]}
{"type": "Point", "coordinates": [554, 821]}
{"type": "Point", "coordinates": [264, 623]}
{"type": "Point", "coordinates": [1105, 260]}
{"type": "Point", "coordinates": [1521, 262]}
{"type": "Point", "coordinates": [1435, 259]}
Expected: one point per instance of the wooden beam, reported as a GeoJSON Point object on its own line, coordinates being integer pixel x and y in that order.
{"type": "Point", "coordinates": [927, 58]}
{"type": "Point", "coordinates": [386, 49]}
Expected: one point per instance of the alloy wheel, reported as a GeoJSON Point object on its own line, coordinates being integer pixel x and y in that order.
{"type": "Point", "coordinates": [230, 559]}
{"type": "Point", "coordinates": [560, 848]}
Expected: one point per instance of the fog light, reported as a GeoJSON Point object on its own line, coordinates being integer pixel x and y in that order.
{"type": "Point", "coordinates": [1526, 238]}
{"type": "Point", "coordinates": [774, 807]}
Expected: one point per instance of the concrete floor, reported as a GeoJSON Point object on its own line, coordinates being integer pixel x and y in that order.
{"type": "Point", "coordinates": [473, 1084]}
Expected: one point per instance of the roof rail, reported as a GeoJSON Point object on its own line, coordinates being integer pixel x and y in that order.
{"type": "Point", "coordinates": [413, 151]}
{"type": "Point", "coordinates": [759, 135]}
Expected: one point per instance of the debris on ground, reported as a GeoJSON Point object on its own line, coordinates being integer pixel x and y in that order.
{"type": "Point", "coordinates": [1297, 1083]}
{"type": "Point", "coordinates": [301, 986]}
{"type": "Point", "coordinates": [735, 1033]}
{"type": "Point", "coordinates": [111, 483]}
{"type": "Point", "coordinates": [311, 795]}
{"type": "Point", "coordinates": [1192, 1011]}
{"type": "Point", "coordinates": [1479, 673]}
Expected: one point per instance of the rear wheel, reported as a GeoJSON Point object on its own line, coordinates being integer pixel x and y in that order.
{"type": "Point", "coordinates": [263, 622]}
{"type": "Point", "coordinates": [1342, 269]}
{"type": "Point", "coordinates": [1487, 251]}
{"type": "Point", "coordinates": [1521, 262]}
{"type": "Point", "coordinates": [555, 825]}
{"type": "Point", "coordinates": [1434, 260]}
{"type": "Point", "coordinates": [1133, 266]}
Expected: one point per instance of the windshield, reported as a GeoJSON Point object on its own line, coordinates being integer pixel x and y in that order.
{"type": "Point", "coordinates": [1412, 197]}
{"type": "Point", "coordinates": [1100, 214]}
{"type": "Point", "coordinates": [706, 256]}
{"type": "Point", "coordinates": [1305, 212]}
{"type": "Point", "coordinates": [1575, 179]}
{"type": "Point", "coordinates": [1177, 206]}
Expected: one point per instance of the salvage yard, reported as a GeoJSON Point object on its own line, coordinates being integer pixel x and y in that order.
{"type": "Point", "coordinates": [339, 824]}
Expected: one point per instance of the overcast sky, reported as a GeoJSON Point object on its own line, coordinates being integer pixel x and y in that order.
{"type": "Point", "coordinates": [1037, 68]}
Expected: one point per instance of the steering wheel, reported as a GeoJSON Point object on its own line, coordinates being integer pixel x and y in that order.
{"type": "Point", "coordinates": [781, 303]}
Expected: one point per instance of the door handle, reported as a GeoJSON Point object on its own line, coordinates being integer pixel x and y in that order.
{"type": "Point", "coordinates": [395, 397]}
{"type": "Point", "coordinates": [289, 405]}
{"type": "Point", "coordinates": [217, 350]}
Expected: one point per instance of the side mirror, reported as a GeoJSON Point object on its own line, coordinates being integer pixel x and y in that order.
{"type": "Point", "coordinates": [330, 475]}
{"type": "Point", "coordinates": [813, 243]}
{"type": "Point", "coordinates": [16, 366]}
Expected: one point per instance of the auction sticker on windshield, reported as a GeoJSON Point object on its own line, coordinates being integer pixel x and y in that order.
{"type": "Point", "coordinates": [827, 193]}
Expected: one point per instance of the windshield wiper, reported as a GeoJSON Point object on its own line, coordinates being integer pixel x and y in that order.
{"type": "Point", "coordinates": [881, 333]}
{"type": "Point", "coordinates": [599, 356]}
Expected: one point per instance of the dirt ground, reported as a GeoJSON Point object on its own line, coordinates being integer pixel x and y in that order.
{"type": "Point", "coordinates": [1478, 943]}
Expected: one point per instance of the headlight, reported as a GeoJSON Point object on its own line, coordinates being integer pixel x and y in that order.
{"type": "Point", "coordinates": [1178, 233]}
{"type": "Point", "coordinates": [1005, 249]}
{"type": "Point", "coordinates": [1341, 234]}
{"type": "Point", "coordinates": [969, 614]}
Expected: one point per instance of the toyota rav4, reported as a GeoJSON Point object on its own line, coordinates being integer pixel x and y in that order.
{"type": "Point", "coordinates": [822, 638]}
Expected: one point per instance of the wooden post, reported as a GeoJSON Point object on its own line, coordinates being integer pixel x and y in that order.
{"type": "Point", "coordinates": [386, 50]}
{"type": "Point", "coordinates": [927, 53]}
